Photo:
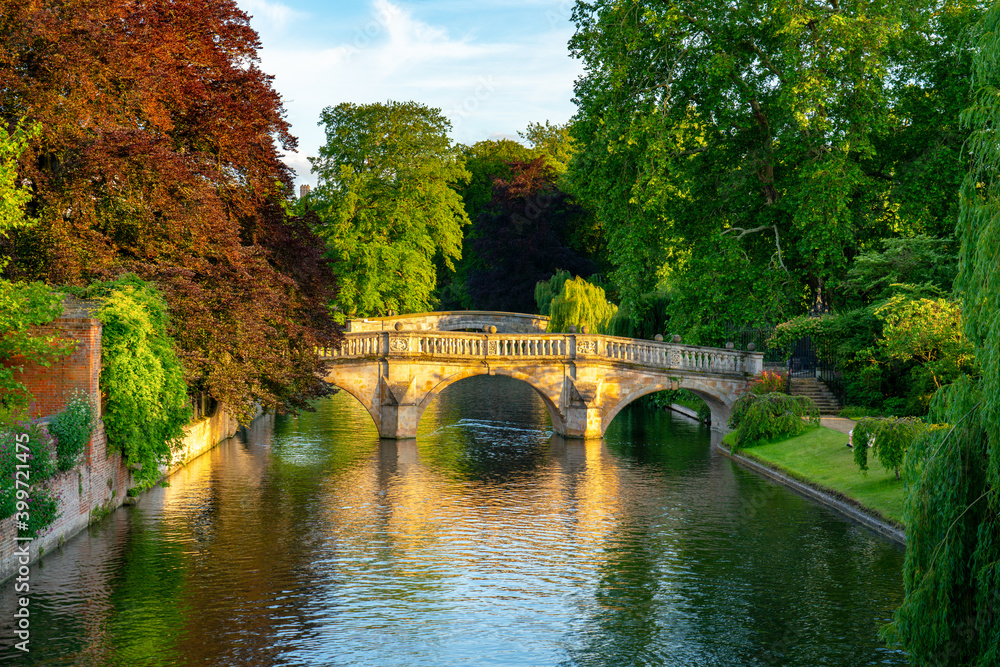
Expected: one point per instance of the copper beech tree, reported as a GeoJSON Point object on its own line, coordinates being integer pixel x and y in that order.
{"type": "Point", "coordinates": [159, 155]}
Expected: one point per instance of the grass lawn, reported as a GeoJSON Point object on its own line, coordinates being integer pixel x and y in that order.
{"type": "Point", "coordinates": [821, 458]}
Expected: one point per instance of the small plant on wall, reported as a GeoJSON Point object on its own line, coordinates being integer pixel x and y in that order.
{"type": "Point", "coordinates": [72, 429]}
{"type": "Point", "coordinates": [22, 490]}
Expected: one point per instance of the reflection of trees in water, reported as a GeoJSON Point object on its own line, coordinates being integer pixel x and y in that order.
{"type": "Point", "coordinates": [647, 549]}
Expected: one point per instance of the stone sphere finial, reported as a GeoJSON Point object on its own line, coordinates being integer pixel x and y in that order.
{"type": "Point", "coordinates": [658, 338]}
{"type": "Point", "coordinates": [751, 347]}
{"type": "Point", "coordinates": [493, 329]}
{"type": "Point", "coordinates": [585, 329]}
{"type": "Point", "coordinates": [486, 328]}
{"type": "Point", "coordinates": [677, 338]}
{"type": "Point", "coordinates": [572, 328]}
{"type": "Point", "coordinates": [399, 326]}
{"type": "Point", "coordinates": [729, 346]}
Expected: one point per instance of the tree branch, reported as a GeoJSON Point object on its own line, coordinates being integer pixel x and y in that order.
{"type": "Point", "coordinates": [777, 241]}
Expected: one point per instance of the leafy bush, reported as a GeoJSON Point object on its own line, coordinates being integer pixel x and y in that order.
{"type": "Point", "coordinates": [38, 503]}
{"type": "Point", "coordinates": [147, 403]}
{"type": "Point", "coordinates": [42, 510]}
{"type": "Point", "coordinates": [760, 417]}
{"type": "Point", "coordinates": [888, 438]}
{"type": "Point", "coordinates": [72, 428]}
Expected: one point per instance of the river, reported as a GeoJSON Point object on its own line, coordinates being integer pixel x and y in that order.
{"type": "Point", "coordinates": [487, 541]}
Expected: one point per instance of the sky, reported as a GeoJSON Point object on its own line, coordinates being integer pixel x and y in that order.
{"type": "Point", "coordinates": [491, 66]}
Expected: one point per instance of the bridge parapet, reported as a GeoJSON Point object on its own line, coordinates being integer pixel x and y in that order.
{"type": "Point", "coordinates": [474, 346]}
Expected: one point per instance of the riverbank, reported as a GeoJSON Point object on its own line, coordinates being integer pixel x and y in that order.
{"type": "Point", "coordinates": [99, 484]}
{"type": "Point", "coordinates": [819, 464]}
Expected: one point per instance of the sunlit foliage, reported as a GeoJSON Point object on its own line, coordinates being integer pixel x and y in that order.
{"type": "Point", "coordinates": [387, 204]}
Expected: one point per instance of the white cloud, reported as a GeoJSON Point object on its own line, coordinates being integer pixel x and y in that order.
{"type": "Point", "coordinates": [277, 15]}
{"type": "Point", "coordinates": [486, 88]}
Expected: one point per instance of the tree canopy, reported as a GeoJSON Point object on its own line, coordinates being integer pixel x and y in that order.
{"type": "Point", "coordinates": [157, 155]}
{"type": "Point", "coordinates": [523, 238]}
{"type": "Point", "coordinates": [747, 152]}
{"type": "Point", "coordinates": [387, 204]}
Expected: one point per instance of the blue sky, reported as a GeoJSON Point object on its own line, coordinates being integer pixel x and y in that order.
{"type": "Point", "coordinates": [490, 66]}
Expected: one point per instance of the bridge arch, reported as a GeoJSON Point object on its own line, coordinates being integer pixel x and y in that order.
{"type": "Point", "coordinates": [366, 402]}
{"type": "Point", "coordinates": [550, 403]}
{"type": "Point", "coordinates": [718, 406]}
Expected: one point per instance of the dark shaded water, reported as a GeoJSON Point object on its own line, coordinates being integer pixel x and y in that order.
{"type": "Point", "coordinates": [485, 542]}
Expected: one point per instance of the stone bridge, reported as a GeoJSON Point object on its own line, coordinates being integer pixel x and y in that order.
{"type": "Point", "coordinates": [584, 380]}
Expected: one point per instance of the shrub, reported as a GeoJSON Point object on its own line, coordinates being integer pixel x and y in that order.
{"type": "Point", "coordinates": [42, 511]}
{"type": "Point", "coordinates": [769, 383]}
{"type": "Point", "coordinates": [72, 428]}
{"type": "Point", "coordinates": [760, 417]}
{"type": "Point", "coordinates": [888, 438]}
{"type": "Point", "coordinates": [36, 501]}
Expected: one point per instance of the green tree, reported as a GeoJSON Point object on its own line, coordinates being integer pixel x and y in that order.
{"type": "Point", "coordinates": [951, 611]}
{"type": "Point", "coordinates": [580, 303]}
{"type": "Point", "coordinates": [553, 140]}
{"type": "Point", "coordinates": [731, 151]}
{"type": "Point", "coordinates": [387, 203]}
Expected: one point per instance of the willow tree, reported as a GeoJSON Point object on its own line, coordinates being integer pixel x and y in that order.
{"type": "Point", "coordinates": [581, 304]}
{"type": "Point", "coordinates": [742, 152]}
{"type": "Point", "coordinates": [951, 612]}
{"type": "Point", "coordinates": [387, 203]}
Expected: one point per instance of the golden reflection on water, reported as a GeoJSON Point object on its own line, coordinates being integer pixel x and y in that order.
{"type": "Point", "coordinates": [313, 542]}
{"type": "Point", "coordinates": [405, 507]}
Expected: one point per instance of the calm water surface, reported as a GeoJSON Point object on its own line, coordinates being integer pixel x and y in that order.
{"type": "Point", "coordinates": [488, 541]}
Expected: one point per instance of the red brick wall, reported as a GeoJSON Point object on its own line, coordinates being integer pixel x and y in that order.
{"type": "Point", "coordinates": [52, 385]}
{"type": "Point", "coordinates": [101, 479]}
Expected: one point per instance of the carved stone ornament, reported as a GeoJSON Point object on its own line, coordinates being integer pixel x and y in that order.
{"type": "Point", "coordinates": [586, 347]}
{"type": "Point", "coordinates": [399, 345]}
{"type": "Point", "coordinates": [492, 347]}
{"type": "Point", "coordinates": [675, 357]}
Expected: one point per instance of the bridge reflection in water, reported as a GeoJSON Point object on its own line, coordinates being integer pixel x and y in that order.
{"type": "Point", "coordinates": [584, 380]}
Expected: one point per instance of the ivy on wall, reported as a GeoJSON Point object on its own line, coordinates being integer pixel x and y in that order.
{"type": "Point", "coordinates": [141, 376]}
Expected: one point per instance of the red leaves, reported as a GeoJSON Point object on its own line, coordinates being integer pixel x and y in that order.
{"type": "Point", "coordinates": [158, 155]}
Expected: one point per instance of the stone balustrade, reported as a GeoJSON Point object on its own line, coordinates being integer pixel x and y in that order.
{"type": "Point", "coordinates": [458, 345]}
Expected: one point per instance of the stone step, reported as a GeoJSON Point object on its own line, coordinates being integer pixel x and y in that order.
{"type": "Point", "coordinates": [812, 388]}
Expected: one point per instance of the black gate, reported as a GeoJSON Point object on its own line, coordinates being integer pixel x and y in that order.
{"type": "Point", "coordinates": [803, 361]}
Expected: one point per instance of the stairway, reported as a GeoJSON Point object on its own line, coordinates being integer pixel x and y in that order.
{"type": "Point", "coordinates": [817, 391]}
